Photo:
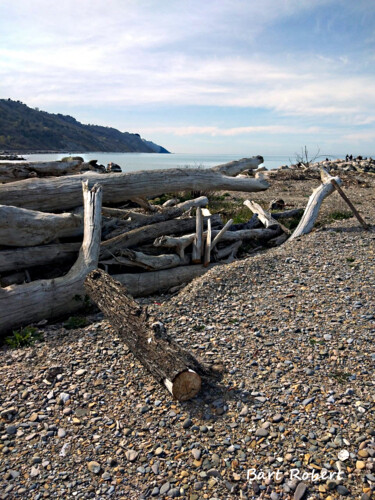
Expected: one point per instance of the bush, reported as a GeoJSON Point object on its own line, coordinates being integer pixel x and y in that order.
{"type": "Point", "coordinates": [23, 338]}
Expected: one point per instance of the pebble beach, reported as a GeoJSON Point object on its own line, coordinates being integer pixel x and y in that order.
{"type": "Point", "coordinates": [292, 331]}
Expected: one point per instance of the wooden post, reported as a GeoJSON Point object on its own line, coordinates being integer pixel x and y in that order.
{"type": "Point", "coordinates": [352, 207]}
{"type": "Point", "coordinates": [219, 236]}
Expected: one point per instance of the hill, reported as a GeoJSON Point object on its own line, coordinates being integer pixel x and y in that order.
{"type": "Point", "coordinates": [25, 129]}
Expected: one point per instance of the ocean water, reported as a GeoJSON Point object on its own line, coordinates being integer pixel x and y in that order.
{"type": "Point", "coordinates": [131, 162]}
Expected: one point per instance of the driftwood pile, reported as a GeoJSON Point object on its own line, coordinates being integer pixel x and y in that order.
{"type": "Point", "coordinates": [149, 249]}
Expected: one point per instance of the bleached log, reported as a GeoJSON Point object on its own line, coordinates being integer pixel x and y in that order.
{"type": "Point", "coordinates": [15, 259]}
{"type": "Point", "coordinates": [143, 284]}
{"type": "Point", "coordinates": [196, 256]}
{"type": "Point", "coordinates": [207, 250]}
{"type": "Point", "coordinates": [132, 258]}
{"type": "Point", "coordinates": [201, 201]}
{"type": "Point", "coordinates": [21, 305]}
{"type": "Point", "coordinates": [11, 172]}
{"type": "Point", "coordinates": [143, 235]}
{"type": "Point", "coordinates": [313, 205]}
{"type": "Point", "coordinates": [234, 168]}
{"type": "Point", "coordinates": [228, 252]}
{"type": "Point", "coordinates": [261, 234]}
{"type": "Point", "coordinates": [206, 212]}
{"type": "Point", "coordinates": [146, 338]}
{"type": "Point", "coordinates": [265, 217]}
{"type": "Point", "coordinates": [179, 244]}
{"type": "Point", "coordinates": [62, 193]}
{"type": "Point", "coordinates": [20, 227]}
{"type": "Point", "coordinates": [221, 233]}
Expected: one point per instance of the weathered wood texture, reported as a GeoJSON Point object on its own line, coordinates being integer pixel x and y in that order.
{"type": "Point", "coordinates": [143, 284]}
{"type": "Point", "coordinates": [11, 172]}
{"type": "Point", "coordinates": [236, 167]}
{"type": "Point", "coordinates": [167, 362]}
{"type": "Point", "coordinates": [45, 299]}
{"type": "Point", "coordinates": [313, 205]}
{"type": "Point", "coordinates": [63, 193]}
{"type": "Point", "coordinates": [16, 259]}
{"type": "Point", "coordinates": [131, 258]}
{"type": "Point", "coordinates": [147, 234]}
{"type": "Point", "coordinates": [20, 227]}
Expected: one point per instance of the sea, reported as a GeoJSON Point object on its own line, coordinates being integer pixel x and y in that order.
{"type": "Point", "coordinates": [131, 162]}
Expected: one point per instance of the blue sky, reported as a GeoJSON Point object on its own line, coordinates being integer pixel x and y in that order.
{"type": "Point", "coordinates": [220, 76]}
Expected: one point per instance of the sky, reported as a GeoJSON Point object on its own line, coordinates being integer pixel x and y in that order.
{"type": "Point", "coordinates": [219, 76]}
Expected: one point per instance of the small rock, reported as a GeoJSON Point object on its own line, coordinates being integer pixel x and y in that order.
{"type": "Point", "coordinates": [131, 455]}
{"type": "Point", "coordinates": [300, 491]}
{"type": "Point", "coordinates": [93, 467]}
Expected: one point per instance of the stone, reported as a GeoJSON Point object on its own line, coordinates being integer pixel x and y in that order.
{"type": "Point", "coordinates": [261, 432]}
{"type": "Point", "coordinates": [94, 467]}
{"type": "Point", "coordinates": [300, 491]}
{"type": "Point", "coordinates": [131, 455]}
{"type": "Point", "coordinates": [187, 423]}
{"type": "Point", "coordinates": [164, 488]}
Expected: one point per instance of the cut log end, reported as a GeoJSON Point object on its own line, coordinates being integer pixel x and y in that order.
{"type": "Point", "coordinates": [185, 386]}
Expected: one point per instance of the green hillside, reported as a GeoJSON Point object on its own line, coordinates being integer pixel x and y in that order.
{"type": "Point", "coordinates": [26, 129]}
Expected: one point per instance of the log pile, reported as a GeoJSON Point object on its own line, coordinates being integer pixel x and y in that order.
{"type": "Point", "coordinates": [148, 248]}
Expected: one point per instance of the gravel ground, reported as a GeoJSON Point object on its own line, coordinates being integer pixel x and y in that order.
{"type": "Point", "coordinates": [294, 331]}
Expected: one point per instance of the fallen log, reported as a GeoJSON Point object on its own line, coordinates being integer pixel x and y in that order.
{"type": "Point", "coordinates": [167, 362]}
{"type": "Point", "coordinates": [142, 235]}
{"type": "Point", "coordinates": [265, 217]}
{"type": "Point", "coordinates": [179, 244]}
{"type": "Point", "coordinates": [207, 249]}
{"type": "Point", "coordinates": [201, 201]}
{"type": "Point", "coordinates": [143, 284]}
{"type": "Point", "coordinates": [16, 259]}
{"type": "Point", "coordinates": [229, 253]}
{"type": "Point", "coordinates": [20, 227]}
{"type": "Point", "coordinates": [234, 168]}
{"type": "Point", "coordinates": [313, 205]}
{"type": "Point", "coordinates": [45, 299]}
{"type": "Point", "coordinates": [130, 258]}
{"type": "Point", "coordinates": [63, 193]}
{"type": "Point", "coordinates": [11, 172]}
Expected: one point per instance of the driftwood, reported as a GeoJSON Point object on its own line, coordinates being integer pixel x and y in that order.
{"type": "Point", "coordinates": [207, 250]}
{"type": "Point", "coordinates": [16, 259]}
{"type": "Point", "coordinates": [24, 228]}
{"type": "Point", "coordinates": [132, 258]}
{"type": "Point", "coordinates": [350, 204]}
{"type": "Point", "coordinates": [313, 205]}
{"type": "Point", "coordinates": [202, 201]}
{"type": "Point", "coordinates": [63, 193]}
{"type": "Point", "coordinates": [143, 284]}
{"type": "Point", "coordinates": [229, 252]}
{"type": "Point", "coordinates": [221, 234]}
{"type": "Point", "coordinates": [196, 257]}
{"type": "Point", "coordinates": [11, 172]}
{"type": "Point", "coordinates": [179, 244]}
{"type": "Point", "coordinates": [236, 167]}
{"type": "Point", "coordinates": [142, 235]}
{"type": "Point", "coordinates": [167, 362]}
{"type": "Point", "coordinates": [44, 299]}
{"type": "Point", "coordinates": [265, 217]}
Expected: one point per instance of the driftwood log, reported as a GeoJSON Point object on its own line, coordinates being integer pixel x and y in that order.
{"type": "Point", "coordinates": [15, 259]}
{"type": "Point", "coordinates": [11, 172]}
{"type": "Point", "coordinates": [146, 234]}
{"type": "Point", "coordinates": [167, 362]}
{"type": "Point", "coordinates": [20, 227]}
{"type": "Point", "coordinates": [313, 205]}
{"type": "Point", "coordinates": [143, 284]}
{"type": "Point", "coordinates": [45, 299]}
{"type": "Point", "coordinates": [63, 193]}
